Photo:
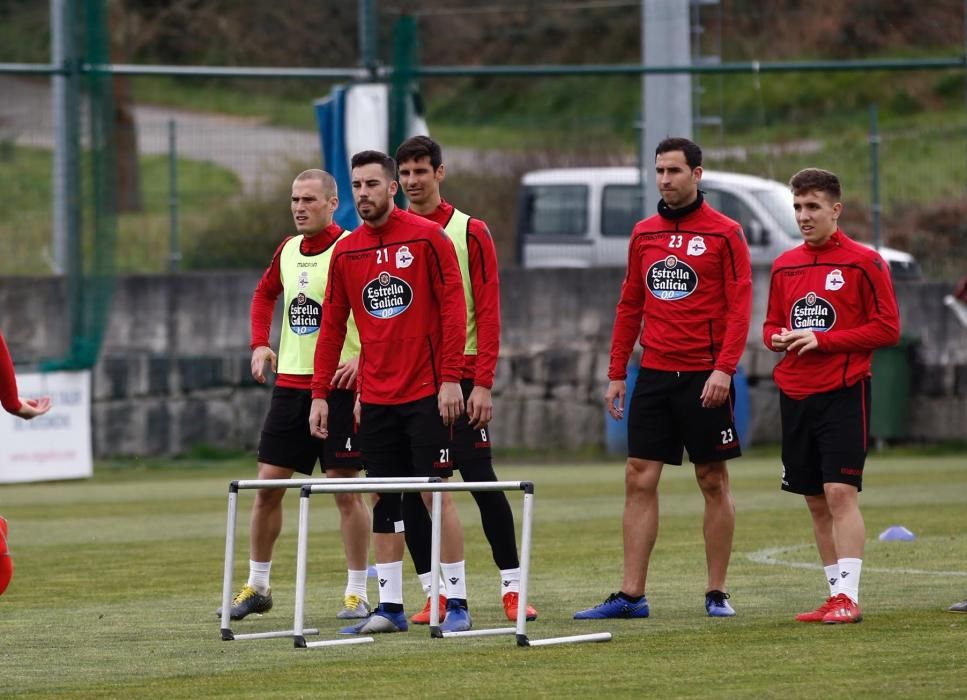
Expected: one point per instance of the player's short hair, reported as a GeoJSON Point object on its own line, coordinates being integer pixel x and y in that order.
{"type": "Point", "coordinates": [417, 147]}
{"type": "Point", "coordinates": [816, 180]}
{"type": "Point", "coordinates": [328, 182]}
{"type": "Point", "coordinates": [693, 154]}
{"type": "Point", "coordinates": [369, 157]}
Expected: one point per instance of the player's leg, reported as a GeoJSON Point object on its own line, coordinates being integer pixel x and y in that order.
{"type": "Point", "coordinates": [383, 453]}
{"type": "Point", "coordinates": [653, 441]}
{"type": "Point", "coordinates": [711, 439]}
{"type": "Point", "coordinates": [419, 530]}
{"type": "Point", "coordinates": [285, 446]}
{"type": "Point", "coordinates": [430, 454]}
{"type": "Point", "coordinates": [342, 458]}
{"type": "Point", "coordinates": [842, 433]}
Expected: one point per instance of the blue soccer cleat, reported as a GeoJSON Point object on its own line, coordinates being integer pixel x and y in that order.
{"type": "Point", "coordinates": [717, 604]}
{"type": "Point", "coordinates": [615, 607]}
{"type": "Point", "coordinates": [457, 619]}
{"type": "Point", "coordinates": [380, 622]}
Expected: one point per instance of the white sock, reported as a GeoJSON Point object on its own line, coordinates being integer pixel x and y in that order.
{"type": "Point", "coordinates": [509, 581]}
{"type": "Point", "coordinates": [426, 582]}
{"type": "Point", "coordinates": [390, 579]}
{"type": "Point", "coordinates": [832, 578]}
{"type": "Point", "coordinates": [356, 583]}
{"type": "Point", "coordinates": [258, 575]}
{"type": "Point", "coordinates": [454, 575]}
{"type": "Point", "coordinates": [849, 578]}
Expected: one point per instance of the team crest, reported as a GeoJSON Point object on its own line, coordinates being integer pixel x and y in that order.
{"type": "Point", "coordinates": [303, 280]}
{"type": "Point", "coordinates": [404, 258]}
{"type": "Point", "coordinates": [696, 246]}
{"type": "Point", "coordinates": [835, 281]}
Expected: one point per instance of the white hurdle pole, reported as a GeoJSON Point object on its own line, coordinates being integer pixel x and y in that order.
{"type": "Point", "coordinates": [247, 484]}
{"type": "Point", "coordinates": [302, 551]}
{"type": "Point", "coordinates": [436, 512]}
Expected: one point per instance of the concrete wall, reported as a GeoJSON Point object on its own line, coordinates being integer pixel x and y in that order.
{"type": "Point", "coordinates": [174, 369]}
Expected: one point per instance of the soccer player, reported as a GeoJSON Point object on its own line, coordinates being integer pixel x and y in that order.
{"type": "Point", "coordinates": [831, 303]}
{"type": "Point", "coordinates": [421, 170]}
{"type": "Point", "coordinates": [689, 280]}
{"type": "Point", "coordinates": [298, 273]}
{"type": "Point", "coordinates": [398, 274]}
{"type": "Point", "coordinates": [16, 405]}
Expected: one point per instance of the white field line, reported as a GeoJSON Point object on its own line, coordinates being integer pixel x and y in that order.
{"type": "Point", "coordinates": [772, 557]}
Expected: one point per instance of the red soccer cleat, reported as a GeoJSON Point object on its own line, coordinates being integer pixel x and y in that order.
{"type": "Point", "coordinates": [511, 601]}
{"type": "Point", "coordinates": [423, 617]}
{"type": "Point", "coordinates": [819, 613]}
{"type": "Point", "coordinates": [843, 611]}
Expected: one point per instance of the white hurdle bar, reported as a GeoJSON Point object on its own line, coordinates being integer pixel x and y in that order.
{"type": "Point", "coordinates": [437, 489]}
{"type": "Point", "coordinates": [246, 484]}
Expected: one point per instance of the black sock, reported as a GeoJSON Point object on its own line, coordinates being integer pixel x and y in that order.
{"type": "Point", "coordinates": [630, 598]}
{"type": "Point", "coordinates": [392, 607]}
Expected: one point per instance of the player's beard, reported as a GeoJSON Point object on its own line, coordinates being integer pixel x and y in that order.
{"type": "Point", "coordinates": [375, 213]}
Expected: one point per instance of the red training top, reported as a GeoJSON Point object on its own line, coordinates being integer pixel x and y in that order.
{"type": "Point", "coordinates": [270, 288]}
{"type": "Point", "coordinates": [690, 279]}
{"type": "Point", "coordinates": [482, 261]}
{"type": "Point", "coordinates": [9, 397]}
{"type": "Point", "coordinates": [841, 291]}
{"type": "Point", "coordinates": [402, 283]}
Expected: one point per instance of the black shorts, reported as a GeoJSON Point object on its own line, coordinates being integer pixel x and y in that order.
{"type": "Point", "coordinates": [666, 415]}
{"type": "Point", "coordinates": [407, 439]}
{"type": "Point", "coordinates": [286, 441]}
{"type": "Point", "coordinates": [470, 447]}
{"type": "Point", "coordinates": [825, 439]}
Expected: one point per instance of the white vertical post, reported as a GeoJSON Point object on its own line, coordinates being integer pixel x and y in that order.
{"type": "Point", "coordinates": [300, 570]}
{"type": "Point", "coordinates": [229, 565]}
{"type": "Point", "coordinates": [436, 533]}
{"type": "Point", "coordinates": [525, 558]}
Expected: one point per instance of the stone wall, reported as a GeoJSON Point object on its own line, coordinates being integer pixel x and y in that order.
{"type": "Point", "coordinates": [174, 368]}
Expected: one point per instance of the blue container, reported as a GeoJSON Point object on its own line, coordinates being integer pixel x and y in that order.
{"type": "Point", "coordinates": [616, 431]}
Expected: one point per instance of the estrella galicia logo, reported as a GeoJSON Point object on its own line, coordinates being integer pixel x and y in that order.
{"type": "Point", "coordinates": [812, 313]}
{"type": "Point", "coordinates": [671, 279]}
{"type": "Point", "coordinates": [304, 315]}
{"type": "Point", "coordinates": [387, 296]}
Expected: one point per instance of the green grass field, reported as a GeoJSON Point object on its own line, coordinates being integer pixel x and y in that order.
{"type": "Point", "coordinates": [118, 578]}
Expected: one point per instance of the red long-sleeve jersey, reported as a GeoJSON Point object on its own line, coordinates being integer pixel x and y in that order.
{"type": "Point", "coordinates": [402, 283]}
{"type": "Point", "coordinates": [690, 279]}
{"type": "Point", "coordinates": [270, 288]}
{"type": "Point", "coordinates": [841, 291]}
{"type": "Point", "coordinates": [485, 283]}
{"type": "Point", "coordinates": [9, 397]}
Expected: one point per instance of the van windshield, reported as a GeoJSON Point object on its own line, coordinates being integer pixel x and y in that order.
{"type": "Point", "coordinates": [778, 202]}
{"type": "Point", "coordinates": [559, 210]}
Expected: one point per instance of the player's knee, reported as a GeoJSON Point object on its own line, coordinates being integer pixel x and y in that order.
{"type": "Point", "coordinates": [387, 513]}
{"type": "Point", "coordinates": [641, 476]}
{"type": "Point", "coordinates": [713, 480]}
{"type": "Point", "coordinates": [841, 498]}
{"type": "Point", "coordinates": [268, 498]}
{"type": "Point", "coordinates": [349, 503]}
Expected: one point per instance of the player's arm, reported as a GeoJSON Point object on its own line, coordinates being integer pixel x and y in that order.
{"type": "Point", "coordinates": [10, 398]}
{"type": "Point", "coordinates": [267, 291]}
{"type": "Point", "coordinates": [335, 312]}
{"type": "Point", "coordinates": [773, 328]}
{"type": "Point", "coordinates": [628, 314]}
{"type": "Point", "coordinates": [448, 288]}
{"type": "Point", "coordinates": [737, 280]}
{"type": "Point", "coordinates": [485, 283]}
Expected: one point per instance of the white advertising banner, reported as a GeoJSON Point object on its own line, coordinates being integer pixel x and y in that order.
{"type": "Point", "coordinates": [57, 445]}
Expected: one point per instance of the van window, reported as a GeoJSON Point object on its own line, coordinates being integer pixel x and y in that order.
{"type": "Point", "coordinates": [621, 209]}
{"type": "Point", "coordinates": [737, 210]}
{"type": "Point", "coordinates": [560, 210]}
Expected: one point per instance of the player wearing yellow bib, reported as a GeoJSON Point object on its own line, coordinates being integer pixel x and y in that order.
{"type": "Point", "coordinates": [298, 274]}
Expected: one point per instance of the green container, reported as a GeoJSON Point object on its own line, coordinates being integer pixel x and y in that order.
{"type": "Point", "coordinates": [892, 370]}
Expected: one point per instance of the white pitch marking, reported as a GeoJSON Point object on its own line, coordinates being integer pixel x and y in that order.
{"type": "Point", "coordinates": [770, 556]}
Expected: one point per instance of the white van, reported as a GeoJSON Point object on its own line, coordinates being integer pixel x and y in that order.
{"type": "Point", "coordinates": [582, 217]}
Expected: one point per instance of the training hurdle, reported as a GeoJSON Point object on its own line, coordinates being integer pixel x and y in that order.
{"type": "Point", "coordinates": [436, 488]}
{"type": "Point", "coordinates": [247, 484]}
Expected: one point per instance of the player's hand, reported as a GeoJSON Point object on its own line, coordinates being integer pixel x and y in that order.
{"type": "Point", "coordinates": [31, 408]}
{"type": "Point", "coordinates": [614, 398]}
{"type": "Point", "coordinates": [319, 419]}
{"type": "Point", "coordinates": [260, 356]}
{"type": "Point", "coordinates": [716, 389]}
{"type": "Point", "coordinates": [779, 340]}
{"type": "Point", "coordinates": [480, 407]}
{"type": "Point", "coordinates": [345, 376]}
{"type": "Point", "coordinates": [450, 402]}
{"type": "Point", "coordinates": [801, 342]}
